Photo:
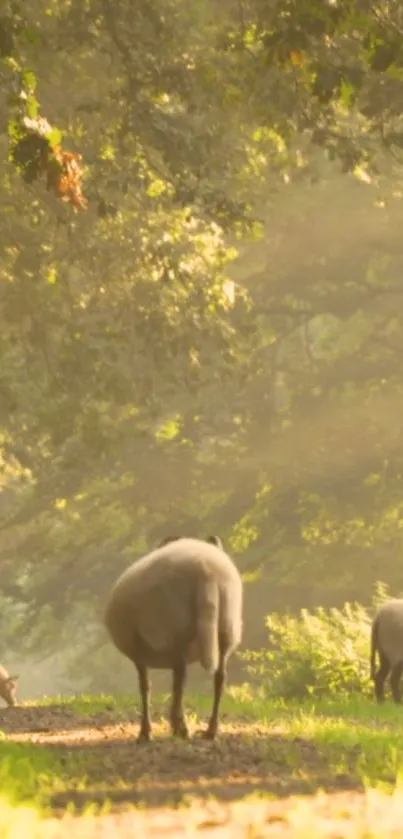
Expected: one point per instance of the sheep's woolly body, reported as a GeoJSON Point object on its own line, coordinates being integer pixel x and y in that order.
{"type": "Point", "coordinates": [389, 630]}
{"type": "Point", "coordinates": [184, 597]}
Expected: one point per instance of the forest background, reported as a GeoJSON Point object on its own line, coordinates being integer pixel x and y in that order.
{"type": "Point", "coordinates": [212, 340]}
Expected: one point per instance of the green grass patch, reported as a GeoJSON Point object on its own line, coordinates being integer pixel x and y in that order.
{"type": "Point", "coordinates": [29, 773]}
{"type": "Point", "coordinates": [86, 704]}
{"type": "Point", "coordinates": [271, 746]}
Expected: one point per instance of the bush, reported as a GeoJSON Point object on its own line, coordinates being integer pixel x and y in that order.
{"type": "Point", "coordinates": [317, 654]}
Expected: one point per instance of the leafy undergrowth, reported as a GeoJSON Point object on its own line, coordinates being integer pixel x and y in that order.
{"type": "Point", "coordinates": [67, 755]}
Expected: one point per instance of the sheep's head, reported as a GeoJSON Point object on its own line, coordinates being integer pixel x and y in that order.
{"type": "Point", "coordinates": [214, 540]}
{"type": "Point", "coordinates": [8, 689]}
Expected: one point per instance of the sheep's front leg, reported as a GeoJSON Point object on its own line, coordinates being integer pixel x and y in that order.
{"type": "Point", "coordinates": [145, 733]}
{"type": "Point", "coordinates": [395, 677]}
{"type": "Point", "coordinates": [178, 722]}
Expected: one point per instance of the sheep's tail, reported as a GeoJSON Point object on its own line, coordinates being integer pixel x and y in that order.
{"type": "Point", "coordinates": [374, 646]}
{"type": "Point", "coordinates": [208, 605]}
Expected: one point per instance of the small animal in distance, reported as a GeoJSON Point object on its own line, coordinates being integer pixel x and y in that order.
{"type": "Point", "coordinates": [8, 687]}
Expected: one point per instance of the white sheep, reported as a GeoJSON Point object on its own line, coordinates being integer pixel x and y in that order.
{"type": "Point", "coordinates": [387, 641]}
{"type": "Point", "coordinates": [179, 604]}
{"type": "Point", "coordinates": [8, 687]}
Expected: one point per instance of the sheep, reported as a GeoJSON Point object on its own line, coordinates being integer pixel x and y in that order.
{"type": "Point", "coordinates": [8, 687]}
{"type": "Point", "coordinates": [179, 604]}
{"type": "Point", "coordinates": [387, 641]}
{"type": "Point", "coordinates": [212, 540]}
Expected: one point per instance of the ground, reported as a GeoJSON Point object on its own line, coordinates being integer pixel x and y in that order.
{"type": "Point", "coordinates": [261, 778]}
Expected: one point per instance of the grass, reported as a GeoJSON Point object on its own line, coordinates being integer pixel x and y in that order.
{"type": "Point", "coordinates": [82, 750]}
{"type": "Point", "coordinates": [26, 773]}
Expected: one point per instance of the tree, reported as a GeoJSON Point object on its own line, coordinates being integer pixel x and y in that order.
{"type": "Point", "coordinates": [146, 382]}
{"type": "Point", "coordinates": [117, 322]}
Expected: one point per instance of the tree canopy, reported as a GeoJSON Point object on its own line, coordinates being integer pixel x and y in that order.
{"type": "Point", "coordinates": [200, 287]}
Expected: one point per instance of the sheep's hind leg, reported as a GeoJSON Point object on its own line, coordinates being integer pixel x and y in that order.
{"type": "Point", "coordinates": [219, 682]}
{"type": "Point", "coordinates": [145, 733]}
{"type": "Point", "coordinates": [178, 722]}
{"type": "Point", "coordinates": [395, 681]}
{"type": "Point", "coordinates": [380, 677]}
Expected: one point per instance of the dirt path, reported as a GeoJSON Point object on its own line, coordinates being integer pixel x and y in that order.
{"type": "Point", "coordinates": [247, 758]}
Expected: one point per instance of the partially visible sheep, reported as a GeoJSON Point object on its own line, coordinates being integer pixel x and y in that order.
{"type": "Point", "coordinates": [212, 540]}
{"type": "Point", "coordinates": [168, 539]}
{"type": "Point", "coordinates": [179, 604]}
{"type": "Point", "coordinates": [215, 540]}
{"type": "Point", "coordinates": [8, 687]}
{"type": "Point", "coordinates": [387, 641]}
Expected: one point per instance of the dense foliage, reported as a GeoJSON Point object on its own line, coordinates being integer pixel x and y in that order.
{"type": "Point", "coordinates": [318, 653]}
{"type": "Point", "coordinates": [214, 344]}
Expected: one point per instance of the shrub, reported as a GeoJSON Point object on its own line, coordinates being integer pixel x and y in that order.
{"type": "Point", "coordinates": [320, 653]}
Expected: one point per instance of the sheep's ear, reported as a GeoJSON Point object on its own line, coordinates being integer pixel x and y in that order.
{"type": "Point", "coordinates": [214, 540]}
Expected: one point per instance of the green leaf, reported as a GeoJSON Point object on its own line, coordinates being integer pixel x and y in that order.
{"type": "Point", "coordinates": [29, 80]}
{"type": "Point", "coordinates": [55, 137]}
{"type": "Point", "coordinates": [32, 107]}
{"type": "Point", "coordinates": [347, 94]}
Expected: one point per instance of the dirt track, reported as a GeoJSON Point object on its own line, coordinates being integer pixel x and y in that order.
{"type": "Point", "coordinates": [247, 758]}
